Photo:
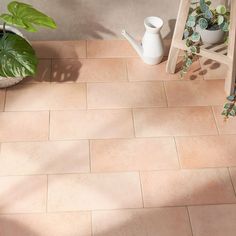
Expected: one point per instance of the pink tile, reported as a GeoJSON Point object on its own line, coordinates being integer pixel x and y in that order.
{"type": "Point", "coordinates": [154, 122]}
{"type": "Point", "coordinates": [195, 93]}
{"type": "Point", "coordinates": [208, 151]}
{"type": "Point", "coordinates": [2, 99]}
{"type": "Point", "coordinates": [44, 157]}
{"type": "Point", "coordinates": [94, 191]}
{"type": "Point", "coordinates": [187, 187]}
{"type": "Point", "coordinates": [24, 126]}
{"type": "Point", "coordinates": [109, 49]}
{"type": "Point", "coordinates": [138, 71]}
{"type": "Point", "coordinates": [126, 95]}
{"type": "Point", "coordinates": [213, 220]}
{"type": "Point", "coordinates": [91, 124]}
{"type": "Point", "coordinates": [225, 127]}
{"type": "Point", "coordinates": [164, 222]}
{"type": "Point", "coordinates": [29, 97]}
{"type": "Point", "coordinates": [60, 49]}
{"type": "Point", "coordinates": [63, 224]}
{"type": "Point", "coordinates": [133, 154]}
{"type": "Point", "coordinates": [89, 70]}
{"type": "Point", "coordinates": [19, 194]}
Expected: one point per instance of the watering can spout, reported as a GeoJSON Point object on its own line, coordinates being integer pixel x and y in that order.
{"type": "Point", "coordinates": [135, 44]}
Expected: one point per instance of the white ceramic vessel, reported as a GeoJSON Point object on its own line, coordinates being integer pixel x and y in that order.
{"type": "Point", "coordinates": [9, 81]}
{"type": "Point", "coordinates": [151, 50]}
{"type": "Point", "coordinates": [211, 36]}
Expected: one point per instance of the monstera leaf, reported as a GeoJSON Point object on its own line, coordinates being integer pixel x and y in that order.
{"type": "Point", "coordinates": [25, 16]}
{"type": "Point", "coordinates": [17, 57]}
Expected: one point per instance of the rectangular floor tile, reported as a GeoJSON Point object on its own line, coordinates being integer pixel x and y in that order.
{"type": "Point", "coordinates": [212, 69]}
{"type": "Point", "coordinates": [208, 151]}
{"type": "Point", "coordinates": [91, 124]}
{"type": "Point", "coordinates": [225, 127]}
{"type": "Point", "coordinates": [154, 122]}
{"type": "Point", "coordinates": [2, 99]}
{"type": "Point", "coordinates": [133, 154]}
{"type": "Point", "coordinates": [63, 224]}
{"type": "Point", "coordinates": [109, 49]}
{"type": "Point", "coordinates": [43, 72]}
{"type": "Point", "coordinates": [60, 49]}
{"type": "Point", "coordinates": [89, 70]}
{"type": "Point", "coordinates": [44, 157]}
{"type": "Point", "coordinates": [151, 222]}
{"type": "Point", "coordinates": [213, 220]}
{"type": "Point", "coordinates": [29, 97]}
{"type": "Point", "coordinates": [94, 191]}
{"type": "Point", "coordinates": [138, 71]}
{"type": "Point", "coordinates": [187, 187]}
{"type": "Point", "coordinates": [24, 126]}
{"type": "Point", "coordinates": [195, 93]}
{"type": "Point", "coordinates": [126, 95]}
{"type": "Point", "coordinates": [20, 194]}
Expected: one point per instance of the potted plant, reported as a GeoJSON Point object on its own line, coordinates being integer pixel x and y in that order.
{"type": "Point", "coordinates": [206, 25]}
{"type": "Point", "coordinates": [17, 57]}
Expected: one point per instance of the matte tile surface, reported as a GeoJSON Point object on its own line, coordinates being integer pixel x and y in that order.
{"type": "Point", "coordinates": [94, 191]}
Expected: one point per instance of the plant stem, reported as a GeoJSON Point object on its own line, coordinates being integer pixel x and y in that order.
{"type": "Point", "coordinates": [4, 28]}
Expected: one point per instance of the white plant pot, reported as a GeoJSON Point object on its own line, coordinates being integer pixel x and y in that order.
{"type": "Point", "coordinates": [10, 81]}
{"type": "Point", "coordinates": [211, 36]}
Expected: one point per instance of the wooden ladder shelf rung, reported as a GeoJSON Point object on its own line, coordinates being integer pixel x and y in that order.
{"type": "Point", "coordinates": [220, 53]}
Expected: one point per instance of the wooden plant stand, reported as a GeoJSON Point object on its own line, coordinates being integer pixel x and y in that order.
{"type": "Point", "coordinates": [214, 52]}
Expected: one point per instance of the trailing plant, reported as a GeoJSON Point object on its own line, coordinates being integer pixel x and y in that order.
{"type": "Point", "coordinates": [202, 16]}
{"type": "Point", "coordinates": [17, 57]}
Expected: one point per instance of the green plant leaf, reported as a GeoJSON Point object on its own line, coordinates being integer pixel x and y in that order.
{"type": "Point", "coordinates": [232, 113]}
{"type": "Point", "coordinates": [195, 37]}
{"type": "Point", "coordinates": [220, 19]}
{"type": "Point", "coordinates": [231, 98]}
{"type": "Point", "coordinates": [208, 14]}
{"type": "Point", "coordinates": [203, 23]}
{"type": "Point", "coordinates": [221, 9]}
{"type": "Point", "coordinates": [224, 26]}
{"type": "Point", "coordinates": [17, 57]}
{"type": "Point", "coordinates": [227, 105]}
{"type": "Point", "coordinates": [191, 21]}
{"type": "Point", "coordinates": [25, 16]}
{"type": "Point", "coordinates": [204, 7]}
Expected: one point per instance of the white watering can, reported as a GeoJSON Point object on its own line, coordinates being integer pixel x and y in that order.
{"type": "Point", "coordinates": [151, 50]}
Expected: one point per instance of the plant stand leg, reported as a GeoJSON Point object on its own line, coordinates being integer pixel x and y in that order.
{"type": "Point", "coordinates": [178, 35]}
{"type": "Point", "coordinates": [231, 74]}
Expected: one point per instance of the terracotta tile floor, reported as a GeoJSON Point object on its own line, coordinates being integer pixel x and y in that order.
{"type": "Point", "coordinates": [100, 144]}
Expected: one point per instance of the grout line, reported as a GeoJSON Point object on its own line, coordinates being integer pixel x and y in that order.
{"type": "Point", "coordinates": [118, 209]}
{"type": "Point", "coordinates": [91, 224]}
{"type": "Point", "coordinates": [132, 114]}
{"type": "Point", "coordinates": [121, 138]}
{"type": "Point", "coordinates": [90, 162]}
{"type": "Point", "coordinates": [213, 113]}
{"type": "Point", "coordinates": [49, 125]}
{"type": "Point", "coordinates": [126, 69]}
{"type": "Point", "coordinates": [141, 188]}
{"type": "Point", "coordinates": [164, 87]}
{"type": "Point", "coordinates": [231, 180]}
{"type": "Point", "coordinates": [86, 87]}
{"type": "Point", "coordinates": [47, 196]}
{"type": "Point", "coordinates": [189, 218]}
{"type": "Point", "coordinates": [116, 172]}
{"type": "Point", "coordinates": [177, 152]}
